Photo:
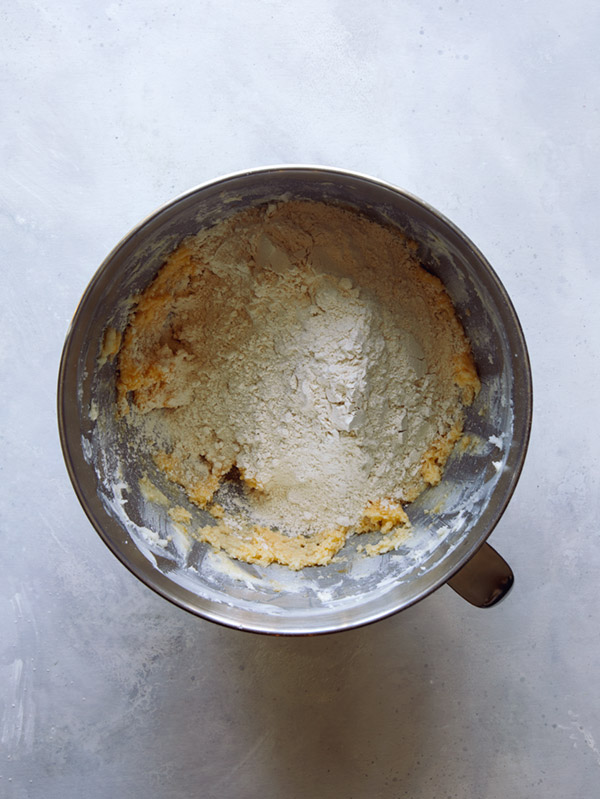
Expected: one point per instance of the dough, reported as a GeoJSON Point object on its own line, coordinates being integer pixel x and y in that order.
{"type": "Point", "coordinates": [301, 350]}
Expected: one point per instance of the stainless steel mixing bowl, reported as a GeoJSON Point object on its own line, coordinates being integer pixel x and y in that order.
{"type": "Point", "coordinates": [451, 521]}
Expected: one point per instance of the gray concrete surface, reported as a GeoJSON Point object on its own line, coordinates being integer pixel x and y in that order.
{"type": "Point", "coordinates": [491, 113]}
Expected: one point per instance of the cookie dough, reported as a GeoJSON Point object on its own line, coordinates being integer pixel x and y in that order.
{"type": "Point", "coordinates": [298, 350]}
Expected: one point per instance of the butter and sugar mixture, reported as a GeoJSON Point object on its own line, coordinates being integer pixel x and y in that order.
{"type": "Point", "coordinates": [301, 349]}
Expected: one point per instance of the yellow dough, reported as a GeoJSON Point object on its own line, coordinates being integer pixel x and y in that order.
{"type": "Point", "coordinates": [301, 350]}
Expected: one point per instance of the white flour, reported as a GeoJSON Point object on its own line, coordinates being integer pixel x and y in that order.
{"type": "Point", "coordinates": [305, 346]}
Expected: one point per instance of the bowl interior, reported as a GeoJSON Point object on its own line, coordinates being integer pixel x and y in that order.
{"type": "Point", "coordinates": [450, 520]}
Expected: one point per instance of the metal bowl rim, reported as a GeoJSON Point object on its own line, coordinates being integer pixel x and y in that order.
{"type": "Point", "coordinates": [263, 626]}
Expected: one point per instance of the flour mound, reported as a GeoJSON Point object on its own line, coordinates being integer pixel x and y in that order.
{"type": "Point", "coordinates": [304, 347]}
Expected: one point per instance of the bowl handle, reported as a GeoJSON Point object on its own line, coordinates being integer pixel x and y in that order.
{"type": "Point", "coordinates": [485, 579]}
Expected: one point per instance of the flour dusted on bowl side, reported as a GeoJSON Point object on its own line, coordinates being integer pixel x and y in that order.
{"type": "Point", "coordinates": [302, 349]}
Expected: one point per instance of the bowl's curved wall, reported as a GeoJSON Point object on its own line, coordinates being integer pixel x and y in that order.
{"type": "Point", "coordinates": [477, 482]}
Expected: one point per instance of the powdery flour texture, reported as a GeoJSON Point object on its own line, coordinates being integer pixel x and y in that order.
{"type": "Point", "coordinates": [301, 349]}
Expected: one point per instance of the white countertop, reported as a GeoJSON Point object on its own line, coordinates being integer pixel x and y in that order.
{"type": "Point", "coordinates": [490, 112]}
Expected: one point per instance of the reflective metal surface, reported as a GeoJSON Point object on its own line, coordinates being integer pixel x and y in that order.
{"type": "Point", "coordinates": [485, 579]}
{"type": "Point", "coordinates": [477, 483]}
